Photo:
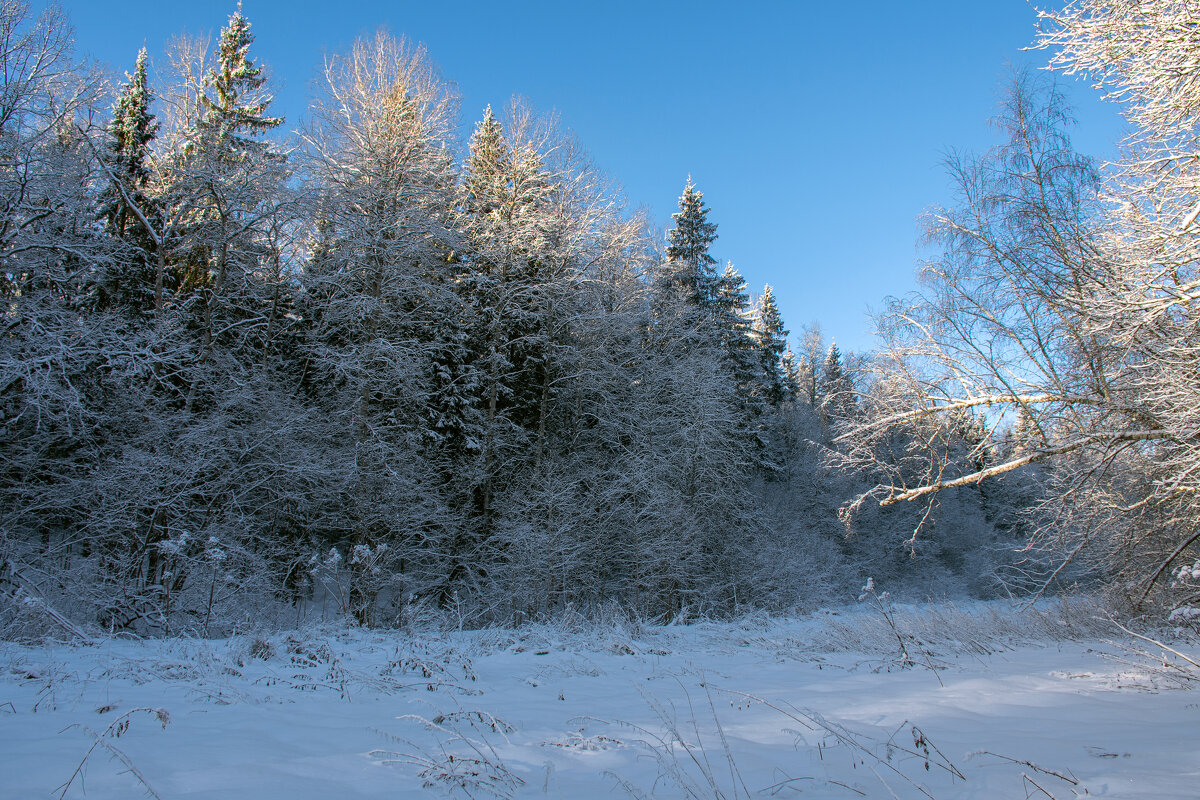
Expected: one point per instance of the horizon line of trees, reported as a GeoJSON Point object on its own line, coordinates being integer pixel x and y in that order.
{"type": "Point", "coordinates": [384, 370]}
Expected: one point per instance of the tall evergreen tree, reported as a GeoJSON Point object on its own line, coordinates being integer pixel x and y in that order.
{"type": "Point", "coordinates": [131, 131]}
{"type": "Point", "coordinates": [233, 100]}
{"type": "Point", "coordinates": [226, 186]}
{"type": "Point", "coordinates": [485, 178]}
{"type": "Point", "coordinates": [732, 304]}
{"type": "Point", "coordinates": [518, 258]}
{"type": "Point", "coordinates": [132, 281]}
{"type": "Point", "coordinates": [789, 367]}
{"type": "Point", "coordinates": [731, 319]}
{"type": "Point", "coordinates": [771, 339]}
{"type": "Point", "coordinates": [689, 265]}
{"type": "Point", "coordinates": [838, 402]}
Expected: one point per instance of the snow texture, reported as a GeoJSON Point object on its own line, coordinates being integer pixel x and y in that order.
{"type": "Point", "coordinates": [812, 707]}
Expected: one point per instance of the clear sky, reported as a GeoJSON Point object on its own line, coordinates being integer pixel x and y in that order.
{"type": "Point", "coordinates": [815, 130]}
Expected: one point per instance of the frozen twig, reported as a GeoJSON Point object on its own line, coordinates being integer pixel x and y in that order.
{"type": "Point", "coordinates": [1035, 767]}
{"type": "Point", "coordinates": [1156, 643]}
{"type": "Point", "coordinates": [102, 740]}
{"type": "Point", "coordinates": [1037, 786]}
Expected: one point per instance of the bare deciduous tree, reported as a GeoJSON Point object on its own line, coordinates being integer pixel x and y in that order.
{"type": "Point", "coordinates": [1067, 299]}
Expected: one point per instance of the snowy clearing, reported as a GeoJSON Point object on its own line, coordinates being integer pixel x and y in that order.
{"type": "Point", "coordinates": [823, 706]}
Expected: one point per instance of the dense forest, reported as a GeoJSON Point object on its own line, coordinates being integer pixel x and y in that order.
{"type": "Point", "coordinates": [367, 368]}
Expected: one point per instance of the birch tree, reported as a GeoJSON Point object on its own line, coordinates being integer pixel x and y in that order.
{"type": "Point", "coordinates": [1066, 298]}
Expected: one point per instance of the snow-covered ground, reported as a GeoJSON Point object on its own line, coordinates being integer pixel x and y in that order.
{"type": "Point", "coordinates": [996, 706]}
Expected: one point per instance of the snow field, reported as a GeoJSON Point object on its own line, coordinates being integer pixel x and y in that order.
{"type": "Point", "coordinates": [996, 706]}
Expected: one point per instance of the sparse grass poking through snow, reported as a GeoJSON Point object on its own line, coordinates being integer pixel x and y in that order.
{"type": "Point", "coordinates": [980, 629]}
{"type": "Point", "coordinates": [696, 761]}
{"type": "Point", "coordinates": [106, 741]}
{"type": "Point", "coordinates": [698, 765]}
{"type": "Point", "coordinates": [758, 706]}
{"type": "Point", "coordinates": [462, 756]}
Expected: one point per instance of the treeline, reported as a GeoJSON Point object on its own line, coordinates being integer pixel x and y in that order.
{"type": "Point", "coordinates": [373, 369]}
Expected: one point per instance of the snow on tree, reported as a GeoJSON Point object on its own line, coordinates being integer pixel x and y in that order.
{"type": "Point", "coordinates": [775, 358]}
{"type": "Point", "coordinates": [222, 186]}
{"type": "Point", "coordinates": [126, 200]}
{"type": "Point", "coordinates": [839, 402]}
{"type": "Point", "coordinates": [689, 265]}
{"type": "Point", "coordinates": [732, 318]}
{"type": "Point", "coordinates": [233, 99]}
{"type": "Point", "coordinates": [1068, 295]}
{"type": "Point", "coordinates": [379, 157]}
{"type": "Point", "coordinates": [789, 368]}
{"type": "Point", "coordinates": [486, 177]}
{"type": "Point", "coordinates": [404, 374]}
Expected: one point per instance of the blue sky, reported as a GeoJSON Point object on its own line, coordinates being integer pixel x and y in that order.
{"type": "Point", "coordinates": [815, 131]}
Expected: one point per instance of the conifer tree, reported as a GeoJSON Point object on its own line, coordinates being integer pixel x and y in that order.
{"type": "Point", "coordinates": [790, 369]}
{"type": "Point", "coordinates": [771, 340]}
{"type": "Point", "coordinates": [512, 279]}
{"type": "Point", "coordinates": [233, 100]}
{"type": "Point", "coordinates": [838, 403]}
{"type": "Point", "coordinates": [131, 130]}
{"type": "Point", "coordinates": [689, 265]}
{"type": "Point", "coordinates": [227, 184]}
{"type": "Point", "coordinates": [1026, 434]}
{"type": "Point", "coordinates": [485, 178]}
{"type": "Point", "coordinates": [731, 319]}
{"type": "Point", "coordinates": [732, 303]}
